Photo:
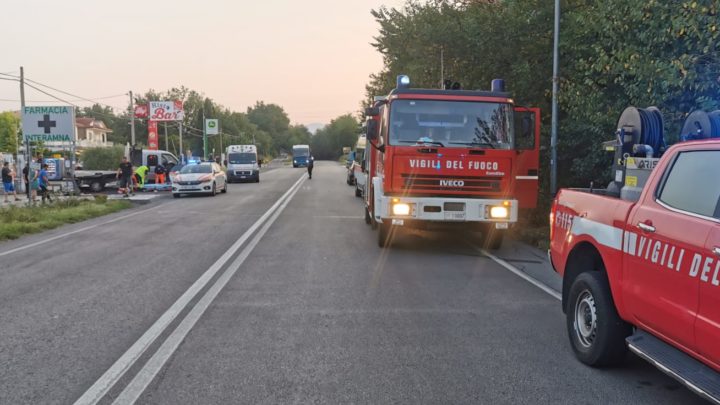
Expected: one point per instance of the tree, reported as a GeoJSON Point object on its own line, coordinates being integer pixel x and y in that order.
{"type": "Point", "coordinates": [9, 126]}
{"type": "Point", "coordinates": [341, 132]}
{"type": "Point", "coordinates": [273, 120]}
{"type": "Point", "coordinates": [614, 54]}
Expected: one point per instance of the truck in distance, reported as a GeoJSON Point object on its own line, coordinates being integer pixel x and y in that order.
{"type": "Point", "coordinates": [300, 155]}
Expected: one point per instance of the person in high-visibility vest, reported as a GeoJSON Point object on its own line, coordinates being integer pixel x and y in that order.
{"type": "Point", "coordinates": [160, 174]}
{"type": "Point", "coordinates": [141, 173]}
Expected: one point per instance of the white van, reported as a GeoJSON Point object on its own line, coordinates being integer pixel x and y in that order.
{"type": "Point", "coordinates": [151, 158]}
{"type": "Point", "coordinates": [242, 163]}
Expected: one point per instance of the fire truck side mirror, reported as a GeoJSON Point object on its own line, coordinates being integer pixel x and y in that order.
{"type": "Point", "coordinates": [372, 129]}
{"type": "Point", "coordinates": [372, 111]}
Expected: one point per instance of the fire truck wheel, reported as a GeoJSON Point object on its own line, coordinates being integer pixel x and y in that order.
{"type": "Point", "coordinates": [597, 334]}
{"type": "Point", "coordinates": [368, 218]}
{"type": "Point", "coordinates": [383, 235]}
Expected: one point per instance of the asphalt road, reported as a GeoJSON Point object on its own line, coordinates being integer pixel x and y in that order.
{"type": "Point", "coordinates": [310, 310]}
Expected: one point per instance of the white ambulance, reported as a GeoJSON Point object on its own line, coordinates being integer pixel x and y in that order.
{"type": "Point", "coordinates": [242, 163]}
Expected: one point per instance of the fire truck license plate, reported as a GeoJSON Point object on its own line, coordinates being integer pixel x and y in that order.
{"type": "Point", "coordinates": [454, 215]}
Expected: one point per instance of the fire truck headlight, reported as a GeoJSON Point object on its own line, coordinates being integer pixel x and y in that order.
{"type": "Point", "coordinates": [401, 209]}
{"type": "Point", "coordinates": [499, 212]}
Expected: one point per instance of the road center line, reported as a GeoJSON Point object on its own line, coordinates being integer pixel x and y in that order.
{"type": "Point", "coordinates": [87, 228]}
{"type": "Point", "coordinates": [145, 376]}
{"type": "Point", "coordinates": [101, 387]}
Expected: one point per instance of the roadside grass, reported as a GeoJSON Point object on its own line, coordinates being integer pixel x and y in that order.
{"type": "Point", "coordinates": [18, 221]}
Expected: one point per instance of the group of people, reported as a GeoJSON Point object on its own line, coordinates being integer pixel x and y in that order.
{"type": "Point", "coordinates": [130, 177]}
{"type": "Point", "coordinates": [36, 181]}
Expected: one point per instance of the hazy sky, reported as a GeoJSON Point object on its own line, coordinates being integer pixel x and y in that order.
{"type": "Point", "coordinates": [313, 57]}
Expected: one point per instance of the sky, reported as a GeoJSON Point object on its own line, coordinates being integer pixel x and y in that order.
{"type": "Point", "coordinates": [312, 57]}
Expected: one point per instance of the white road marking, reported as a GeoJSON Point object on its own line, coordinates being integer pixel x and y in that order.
{"type": "Point", "coordinates": [522, 274]}
{"type": "Point", "coordinates": [101, 387]}
{"type": "Point", "coordinates": [87, 228]}
{"type": "Point", "coordinates": [144, 377]}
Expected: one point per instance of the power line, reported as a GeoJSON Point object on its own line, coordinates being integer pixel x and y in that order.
{"type": "Point", "coordinates": [72, 104]}
{"type": "Point", "coordinates": [66, 93]}
{"type": "Point", "coordinates": [51, 101]}
{"type": "Point", "coordinates": [48, 94]}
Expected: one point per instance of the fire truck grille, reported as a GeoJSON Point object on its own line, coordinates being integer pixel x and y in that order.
{"type": "Point", "coordinates": [427, 182]}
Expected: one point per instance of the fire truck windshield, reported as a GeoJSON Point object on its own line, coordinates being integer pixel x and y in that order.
{"type": "Point", "coordinates": [451, 123]}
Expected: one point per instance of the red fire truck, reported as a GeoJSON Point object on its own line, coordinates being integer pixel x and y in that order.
{"type": "Point", "coordinates": [450, 159]}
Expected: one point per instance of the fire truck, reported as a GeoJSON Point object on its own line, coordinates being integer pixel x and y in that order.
{"type": "Point", "coordinates": [445, 159]}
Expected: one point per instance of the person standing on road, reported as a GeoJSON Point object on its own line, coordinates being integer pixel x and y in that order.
{"type": "Point", "coordinates": [124, 175]}
{"type": "Point", "coordinates": [310, 164]}
{"type": "Point", "coordinates": [8, 178]}
{"type": "Point", "coordinates": [43, 183]}
{"type": "Point", "coordinates": [33, 182]}
{"type": "Point", "coordinates": [160, 174]}
{"type": "Point", "coordinates": [25, 171]}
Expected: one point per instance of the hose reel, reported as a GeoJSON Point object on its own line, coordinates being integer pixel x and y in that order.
{"type": "Point", "coordinates": [641, 126]}
{"type": "Point", "coordinates": [701, 125]}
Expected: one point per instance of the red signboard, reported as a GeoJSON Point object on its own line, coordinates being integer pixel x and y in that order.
{"type": "Point", "coordinates": [152, 135]}
{"type": "Point", "coordinates": [141, 111]}
{"type": "Point", "coordinates": [166, 110]}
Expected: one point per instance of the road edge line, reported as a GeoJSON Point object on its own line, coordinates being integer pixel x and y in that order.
{"type": "Point", "coordinates": [87, 228]}
{"type": "Point", "coordinates": [104, 384]}
{"type": "Point", "coordinates": [532, 280]}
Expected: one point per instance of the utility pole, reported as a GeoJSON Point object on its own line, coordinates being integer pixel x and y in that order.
{"type": "Point", "coordinates": [204, 136]}
{"type": "Point", "coordinates": [132, 120]}
{"type": "Point", "coordinates": [554, 123]}
{"type": "Point", "coordinates": [166, 136]}
{"type": "Point", "coordinates": [27, 142]}
{"type": "Point", "coordinates": [442, 67]}
{"type": "Point", "coordinates": [182, 152]}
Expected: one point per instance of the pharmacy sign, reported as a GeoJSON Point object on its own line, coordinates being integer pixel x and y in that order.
{"type": "Point", "coordinates": [48, 124]}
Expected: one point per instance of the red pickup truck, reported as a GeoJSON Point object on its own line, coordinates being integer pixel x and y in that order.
{"type": "Point", "coordinates": [645, 275]}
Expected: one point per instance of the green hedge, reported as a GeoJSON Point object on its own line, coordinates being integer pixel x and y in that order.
{"type": "Point", "coordinates": [102, 158]}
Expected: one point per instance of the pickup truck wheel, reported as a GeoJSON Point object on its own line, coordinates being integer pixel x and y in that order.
{"type": "Point", "coordinates": [597, 334]}
{"type": "Point", "coordinates": [383, 235]}
{"type": "Point", "coordinates": [97, 186]}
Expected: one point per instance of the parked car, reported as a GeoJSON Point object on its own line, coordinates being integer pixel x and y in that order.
{"type": "Point", "coordinates": [172, 173]}
{"type": "Point", "coordinates": [201, 178]}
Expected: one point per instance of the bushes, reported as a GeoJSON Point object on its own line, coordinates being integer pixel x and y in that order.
{"type": "Point", "coordinates": [102, 158]}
